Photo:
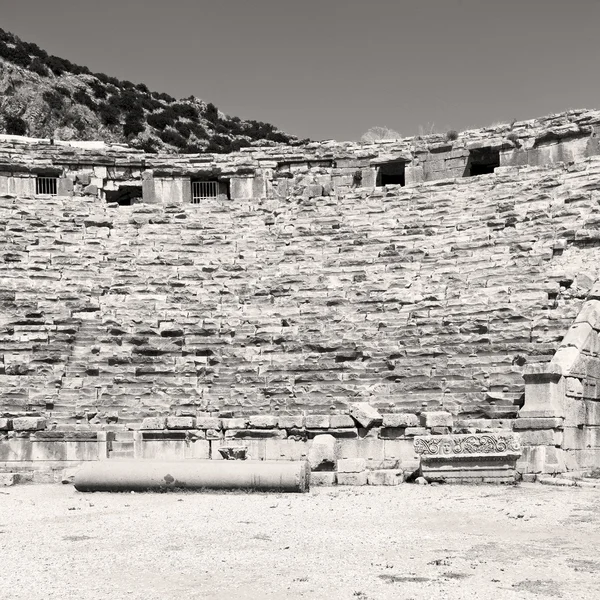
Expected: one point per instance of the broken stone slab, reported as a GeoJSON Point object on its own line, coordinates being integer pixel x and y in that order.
{"type": "Point", "coordinates": [437, 419]}
{"type": "Point", "coordinates": [460, 458]}
{"type": "Point", "coordinates": [317, 421]}
{"type": "Point", "coordinates": [400, 420]}
{"type": "Point", "coordinates": [8, 479]}
{"type": "Point", "coordinates": [352, 478]}
{"type": "Point", "coordinates": [5, 424]}
{"type": "Point", "coordinates": [365, 415]}
{"type": "Point", "coordinates": [181, 423]}
{"type": "Point", "coordinates": [291, 422]}
{"type": "Point", "coordinates": [153, 423]}
{"type": "Point", "coordinates": [263, 422]}
{"type": "Point", "coordinates": [323, 478]}
{"type": "Point", "coordinates": [384, 477]}
{"type": "Point", "coordinates": [209, 423]}
{"type": "Point", "coordinates": [341, 421]}
{"type": "Point", "coordinates": [539, 423]}
{"type": "Point", "coordinates": [351, 465]}
{"type": "Point", "coordinates": [233, 452]}
{"type": "Point", "coordinates": [321, 453]}
{"type": "Point", "coordinates": [28, 423]}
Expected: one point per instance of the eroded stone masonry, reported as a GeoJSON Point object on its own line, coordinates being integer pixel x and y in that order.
{"type": "Point", "coordinates": [336, 302]}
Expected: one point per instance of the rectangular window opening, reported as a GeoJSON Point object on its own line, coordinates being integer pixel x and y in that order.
{"type": "Point", "coordinates": [46, 186]}
{"type": "Point", "coordinates": [392, 173]}
{"type": "Point", "coordinates": [209, 190]}
{"type": "Point", "coordinates": [126, 195]}
{"type": "Point", "coordinates": [482, 161]}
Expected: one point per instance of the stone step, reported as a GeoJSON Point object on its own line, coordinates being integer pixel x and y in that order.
{"type": "Point", "coordinates": [122, 447]}
{"type": "Point", "coordinates": [120, 454]}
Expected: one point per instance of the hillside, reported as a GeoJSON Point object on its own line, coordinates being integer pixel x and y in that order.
{"type": "Point", "coordinates": [46, 96]}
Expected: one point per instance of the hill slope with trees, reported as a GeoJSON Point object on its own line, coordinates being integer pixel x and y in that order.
{"type": "Point", "coordinates": [46, 96]}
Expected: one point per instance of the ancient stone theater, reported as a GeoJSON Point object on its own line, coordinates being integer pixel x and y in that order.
{"type": "Point", "coordinates": [428, 305]}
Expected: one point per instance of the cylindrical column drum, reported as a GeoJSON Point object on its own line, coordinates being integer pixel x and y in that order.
{"type": "Point", "coordinates": [141, 475]}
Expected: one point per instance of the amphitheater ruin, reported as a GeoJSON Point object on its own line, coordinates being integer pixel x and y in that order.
{"type": "Point", "coordinates": [377, 308]}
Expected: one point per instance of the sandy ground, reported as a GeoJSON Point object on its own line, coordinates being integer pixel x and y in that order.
{"type": "Point", "coordinates": [408, 542]}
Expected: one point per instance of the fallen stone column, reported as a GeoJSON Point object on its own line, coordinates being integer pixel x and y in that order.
{"type": "Point", "coordinates": [145, 475]}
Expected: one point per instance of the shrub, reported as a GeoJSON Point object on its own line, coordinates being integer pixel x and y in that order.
{"type": "Point", "coordinates": [277, 136]}
{"type": "Point", "coordinates": [379, 133]}
{"type": "Point", "coordinates": [185, 111]}
{"type": "Point", "coordinates": [126, 101]}
{"type": "Point", "coordinates": [82, 97]}
{"type": "Point", "coordinates": [63, 91]}
{"type": "Point", "coordinates": [162, 119]}
{"type": "Point", "coordinates": [34, 49]}
{"type": "Point", "coordinates": [15, 54]}
{"type": "Point", "coordinates": [150, 103]}
{"type": "Point", "coordinates": [133, 125]}
{"type": "Point", "coordinates": [109, 114]}
{"type": "Point", "coordinates": [211, 113]}
{"type": "Point", "coordinates": [98, 89]}
{"type": "Point", "coordinates": [183, 128]}
{"type": "Point", "coordinates": [55, 64]}
{"type": "Point", "coordinates": [172, 137]}
{"type": "Point", "coordinates": [163, 96]}
{"type": "Point", "coordinates": [143, 88]}
{"type": "Point", "coordinates": [147, 144]}
{"type": "Point", "coordinates": [54, 100]}
{"type": "Point", "coordinates": [199, 131]}
{"type": "Point", "coordinates": [15, 126]}
{"type": "Point", "coordinates": [37, 66]}
{"type": "Point", "coordinates": [513, 137]}
{"type": "Point", "coordinates": [452, 135]}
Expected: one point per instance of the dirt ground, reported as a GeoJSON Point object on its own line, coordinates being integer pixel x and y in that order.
{"type": "Point", "coordinates": [407, 542]}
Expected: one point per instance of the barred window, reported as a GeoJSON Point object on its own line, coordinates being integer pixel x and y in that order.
{"type": "Point", "coordinates": [47, 186]}
{"type": "Point", "coordinates": [204, 190]}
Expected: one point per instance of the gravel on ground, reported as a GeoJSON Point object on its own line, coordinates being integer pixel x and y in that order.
{"type": "Point", "coordinates": [408, 542]}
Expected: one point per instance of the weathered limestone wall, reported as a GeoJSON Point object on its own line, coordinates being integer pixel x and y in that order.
{"type": "Point", "coordinates": [436, 294]}
{"type": "Point", "coordinates": [266, 317]}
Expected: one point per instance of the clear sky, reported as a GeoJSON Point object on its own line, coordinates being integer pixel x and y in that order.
{"type": "Point", "coordinates": [333, 68]}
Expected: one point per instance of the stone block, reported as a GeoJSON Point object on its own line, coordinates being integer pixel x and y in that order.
{"type": "Point", "coordinates": [28, 423]}
{"type": "Point", "coordinates": [208, 423]}
{"type": "Point", "coordinates": [5, 424]}
{"type": "Point", "coordinates": [540, 423]}
{"type": "Point", "coordinates": [257, 434]}
{"type": "Point", "coordinates": [351, 465]}
{"type": "Point", "coordinates": [236, 423]}
{"type": "Point", "coordinates": [285, 450]}
{"type": "Point", "coordinates": [541, 437]}
{"type": "Point", "coordinates": [352, 478]}
{"type": "Point", "coordinates": [365, 415]}
{"type": "Point", "coordinates": [437, 419]}
{"type": "Point", "coordinates": [181, 423]}
{"type": "Point", "coordinates": [415, 431]}
{"type": "Point", "coordinates": [263, 421]}
{"type": "Point", "coordinates": [291, 422]}
{"type": "Point", "coordinates": [197, 449]}
{"type": "Point", "coordinates": [400, 454]}
{"type": "Point", "coordinates": [153, 423]}
{"type": "Point", "coordinates": [400, 420]}
{"type": "Point", "coordinates": [321, 452]}
{"type": "Point", "coordinates": [317, 421]}
{"type": "Point", "coordinates": [323, 478]}
{"type": "Point", "coordinates": [341, 421]}
{"type": "Point", "coordinates": [384, 477]}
